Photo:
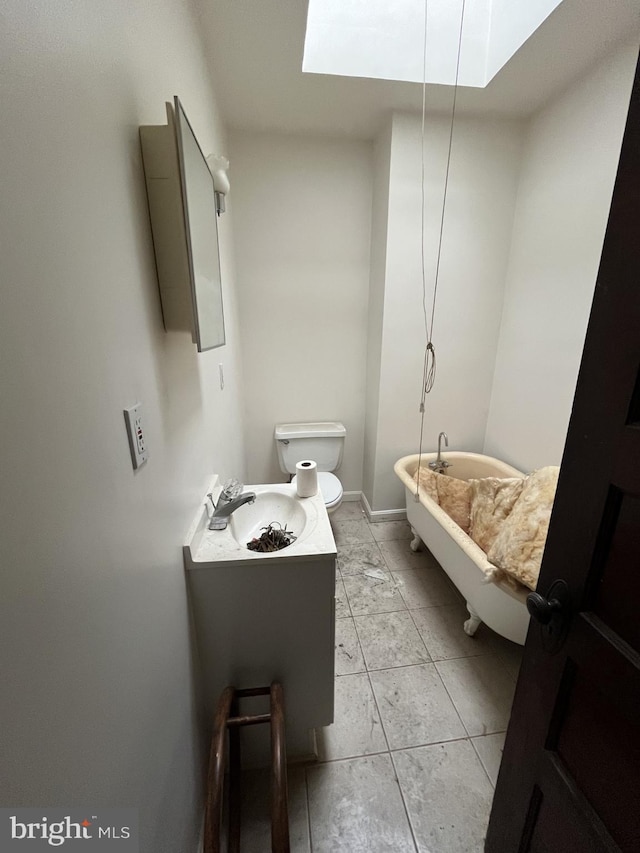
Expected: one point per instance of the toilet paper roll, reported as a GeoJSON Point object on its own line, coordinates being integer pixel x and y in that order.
{"type": "Point", "coordinates": [306, 478]}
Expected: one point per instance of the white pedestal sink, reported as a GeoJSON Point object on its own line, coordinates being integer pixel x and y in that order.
{"type": "Point", "coordinates": [261, 617]}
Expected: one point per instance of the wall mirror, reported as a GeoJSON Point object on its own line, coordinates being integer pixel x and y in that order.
{"type": "Point", "coordinates": [182, 209]}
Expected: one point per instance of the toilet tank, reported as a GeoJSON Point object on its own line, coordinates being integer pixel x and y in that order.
{"type": "Point", "coordinates": [322, 442]}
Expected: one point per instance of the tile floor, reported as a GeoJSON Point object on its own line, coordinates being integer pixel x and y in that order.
{"type": "Point", "coordinates": [421, 710]}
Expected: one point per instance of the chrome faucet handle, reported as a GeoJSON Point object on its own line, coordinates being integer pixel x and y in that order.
{"type": "Point", "coordinates": [223, 511]}
{"type": "Point", "coordinates": [231, 489]}
{"type": "Point", "coordinates": [439, 464]}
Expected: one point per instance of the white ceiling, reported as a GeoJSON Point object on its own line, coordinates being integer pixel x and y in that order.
{"type": "Point", "coordinates": [255, 49]}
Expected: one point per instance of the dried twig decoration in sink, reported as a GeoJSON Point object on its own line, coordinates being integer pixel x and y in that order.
{"type": "Point", "coordinates": [273, 539]}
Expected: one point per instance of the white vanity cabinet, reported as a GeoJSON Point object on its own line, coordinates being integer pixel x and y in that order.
{"type": "Point", "coordinates": [265, 618]}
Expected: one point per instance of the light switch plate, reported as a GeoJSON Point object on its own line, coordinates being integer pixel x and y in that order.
{"type": "Point", "coordinates": [137, 435]}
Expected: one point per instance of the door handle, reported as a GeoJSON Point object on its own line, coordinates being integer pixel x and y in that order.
{"type": "Point", "coordinates": [542, 609]}
{"type": "Point", "coordinates": [552, 612]}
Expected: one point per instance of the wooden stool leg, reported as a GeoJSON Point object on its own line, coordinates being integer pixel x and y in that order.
{"type": "Point", "coordinates": [279, 792]}
{"type": "Point", "coordinates": [215, 779]}
{"type": "Point", "coordinates": [227, 717]}
{"type": "Point", "coordinates": [235, 794]}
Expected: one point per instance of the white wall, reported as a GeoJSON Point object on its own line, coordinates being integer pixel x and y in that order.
{"type": "Point", "coordinates": [569, 166]}
{"type": "Point", "coordinates": [302, 214]}
{"type": "Point", "coordinates": [98, 703]}
{"type": "Point", "coordinates": [379, 224]}
{"type": "Point", "coordinates": [479, 214]}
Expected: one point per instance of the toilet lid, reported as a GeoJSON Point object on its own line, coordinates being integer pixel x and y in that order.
{"type": "Point", "coordinates": [329, 485]}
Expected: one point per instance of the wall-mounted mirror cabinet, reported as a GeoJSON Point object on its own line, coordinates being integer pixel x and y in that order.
{"type": "Point", "coordinates": [182, 208]}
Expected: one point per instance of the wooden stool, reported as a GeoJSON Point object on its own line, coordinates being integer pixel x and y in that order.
{"type": "Point", "coordinates": [228, 717]}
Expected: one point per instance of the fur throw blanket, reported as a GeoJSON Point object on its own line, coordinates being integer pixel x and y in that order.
{"type": "Point", "coordinates": [507, 517]}
{"type": "Point", "coordinates": [518, 548]}
{"type": "Point", "coordinates": [453, 495]}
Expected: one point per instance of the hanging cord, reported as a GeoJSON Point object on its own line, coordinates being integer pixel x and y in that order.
{"type": "Point", "coordinates": [422, 179]}
{"type": "Point", "coordinates": [429, 366]}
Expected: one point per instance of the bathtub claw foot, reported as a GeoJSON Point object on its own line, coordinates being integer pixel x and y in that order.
{"type": "Point", "coordinates": [416, 542]}
{"type": "Point", "coordinates": [473, 622]}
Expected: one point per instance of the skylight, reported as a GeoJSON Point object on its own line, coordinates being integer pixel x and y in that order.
{"type": "Point", "coordinates": [384, 38]}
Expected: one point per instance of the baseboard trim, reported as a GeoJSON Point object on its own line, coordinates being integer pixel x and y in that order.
{"type": "Point", "coordinates": [352, 496]}
{"type": "Point", "coordinates": [376, 515]}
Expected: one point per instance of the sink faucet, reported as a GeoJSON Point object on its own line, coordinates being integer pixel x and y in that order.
{"type": "Point", "coordinates": [225, 508]}
{"type": "Point", "coordinates": [440, 465]}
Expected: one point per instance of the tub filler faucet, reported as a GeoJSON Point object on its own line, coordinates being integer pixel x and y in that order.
{"type": "Point", "coordinates": [225, 508]}
{"type": "Point", "coordinates": [440, 465]}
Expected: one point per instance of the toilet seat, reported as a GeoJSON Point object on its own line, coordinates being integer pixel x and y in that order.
{"type": "Point", "coordinates": [329, 486]}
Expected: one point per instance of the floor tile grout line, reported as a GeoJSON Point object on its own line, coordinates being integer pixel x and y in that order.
{"type": "Point", "coordinates": [438, 742]}
{"type": "Point", "coordinates": [380, 613]}
{"type": "Point", "coordinates": [393, 750]}
{"type": "Point", "coordinates": [507, 664]}
{"type": "Point", "coordinates": [424, 642]}
{"type": "Point", "coordinates": [419, 663]}
{"type": "Point", "coordinates": [324, 762]}
{"type": "Point", "coordinates": [480, 759]}
{"type": "Point", "coordinates": [404, 803]}
{"type": "Point", "coordinates": [400, 665]}
{"type": "Point", "coordinates": [395, 570]}
{"type": "Point", "coordinates": [452, 702]}
{"type": "Point", "coordinates": [306, 788]}
{"type": "Point", "coordinates": [364, 657]}
{"type": "Point", "coordinates": [359, 672]}
{"type": "Point", "coordinates": [346, 599]}
{"type": "Point", "coordinates": [375, 701]}
{"type": "Point", "coordinates": [421, 745]}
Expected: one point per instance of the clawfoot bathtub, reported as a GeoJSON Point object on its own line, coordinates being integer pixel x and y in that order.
{"type": "Point", "coordinates": [496, 604]}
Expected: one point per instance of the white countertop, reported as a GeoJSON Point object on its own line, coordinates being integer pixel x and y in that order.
{"type": "Point", "coordinates": [204, 546]}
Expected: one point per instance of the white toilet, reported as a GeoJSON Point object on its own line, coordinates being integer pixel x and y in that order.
{"type": "Point", "coordinates": [322, 442]}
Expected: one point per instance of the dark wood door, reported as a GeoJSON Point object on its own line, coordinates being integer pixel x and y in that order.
{"type": "Point", "coordinates": [570, 774]}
